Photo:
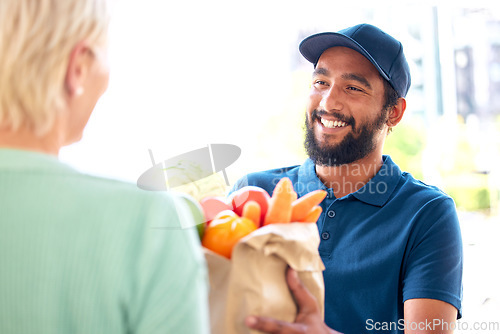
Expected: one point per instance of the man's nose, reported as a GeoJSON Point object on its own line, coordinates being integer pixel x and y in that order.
{"type": "Point", "coordinates": [331, 99]}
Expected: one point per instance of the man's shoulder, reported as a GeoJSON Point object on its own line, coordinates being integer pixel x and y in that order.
{"type": "Point", "coordinates": [423, 199]}
{"type": "Point", "coordinates": [411, 184]}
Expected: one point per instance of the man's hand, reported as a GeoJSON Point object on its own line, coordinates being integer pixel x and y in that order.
{"type": "Point", "coordinates": [308, 319]}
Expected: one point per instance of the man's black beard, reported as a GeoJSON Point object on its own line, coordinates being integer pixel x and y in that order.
{"type": "Point", "coordinates": [350, 149]}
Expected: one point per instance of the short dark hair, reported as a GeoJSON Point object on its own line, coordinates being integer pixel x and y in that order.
{"type": "Point", "coordinates": [391, 95]}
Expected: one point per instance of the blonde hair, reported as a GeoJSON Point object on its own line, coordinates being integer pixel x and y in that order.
{"type": "Point", "coordinates": [36, 39]}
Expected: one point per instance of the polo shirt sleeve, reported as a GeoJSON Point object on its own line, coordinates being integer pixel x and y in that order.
{"type": "Point", "coordinates": [433, 267]}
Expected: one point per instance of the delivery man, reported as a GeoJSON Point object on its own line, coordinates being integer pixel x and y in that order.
{"type": "Point", "coordinates": [391, 244]}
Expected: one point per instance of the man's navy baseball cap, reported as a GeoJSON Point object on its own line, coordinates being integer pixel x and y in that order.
{"type": "Point", "coordinates": [382, 50]}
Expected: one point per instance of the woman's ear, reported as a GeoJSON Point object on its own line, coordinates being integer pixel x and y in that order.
{"type": "Point", "coordinates": [396, 113]}
{"type": "Point", "coordinates": [78, 69]}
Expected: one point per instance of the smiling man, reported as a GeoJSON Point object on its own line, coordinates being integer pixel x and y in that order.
{"type": "Point", "coordinates": [391, 244]}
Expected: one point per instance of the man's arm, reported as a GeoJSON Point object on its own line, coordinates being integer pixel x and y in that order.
{"type": "Point", "coordinates": [426, 316]}
{"type": "Point", "coordinates": [422, 316]}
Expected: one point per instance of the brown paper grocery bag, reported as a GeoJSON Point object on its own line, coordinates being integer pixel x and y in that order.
{"type": "Point", "coordinates": [253, 282]}
{"type": "Point", "coordinates": [219, 269]}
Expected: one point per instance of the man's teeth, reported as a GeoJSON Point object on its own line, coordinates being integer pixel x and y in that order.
{"type": "Point", "coordinates": [333, 124]}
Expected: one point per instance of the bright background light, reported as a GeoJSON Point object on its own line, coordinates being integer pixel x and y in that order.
{"type": "Point", "coordinates": [189, 73]}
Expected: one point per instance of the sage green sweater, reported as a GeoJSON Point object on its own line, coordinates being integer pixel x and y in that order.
{"type": "Point", "coordinates": [83, 254]}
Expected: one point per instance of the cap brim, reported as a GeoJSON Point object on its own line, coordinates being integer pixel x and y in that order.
{"type": "Point", "coordinates": [313, 46]}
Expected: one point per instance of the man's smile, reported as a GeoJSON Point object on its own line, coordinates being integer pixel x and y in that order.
{"type": "Point", "coordinates": [332, 124]}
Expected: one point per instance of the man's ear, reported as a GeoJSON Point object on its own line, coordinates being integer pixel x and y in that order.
{"type": "Point", "coordinates": [396, 113]}
{"type": "Point", "coordinates": [77, 70]}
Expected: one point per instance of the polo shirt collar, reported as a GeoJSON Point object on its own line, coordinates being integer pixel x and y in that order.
{"type": "Point", "coordinates": [376, 192]}
{"type": "Point", "coordinates": [307, 179]}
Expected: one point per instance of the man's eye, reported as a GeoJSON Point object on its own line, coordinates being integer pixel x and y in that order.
{"type": "Point", "coordinates": [320, 82]}
{"type": "Point", "coordinates": [354, 89]}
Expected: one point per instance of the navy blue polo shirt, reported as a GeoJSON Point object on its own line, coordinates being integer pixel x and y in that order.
{"type": "Point", "coordinates": [394, 239]}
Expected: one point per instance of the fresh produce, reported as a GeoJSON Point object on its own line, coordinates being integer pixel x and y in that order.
{"type": "Point", "coordinates": [280, 205]}
{"type": "Point", "coordinates": [197, 211]}
{"type": "Point", "coordinates": [225, 230]}
{"type": "Point", "coordinates": [250, 193]}
{"type": "Point", "coordinates": [302, 207]}
{"type": "Point", "coordinates": [313, 215]}
{"type": "Point", "coordinates": [212, 206]}
{"type": "Point", "coordinates": [250, 208]}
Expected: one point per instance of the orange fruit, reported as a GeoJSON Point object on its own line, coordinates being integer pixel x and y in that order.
{"type": "Point", "coordinates": [225, 230]}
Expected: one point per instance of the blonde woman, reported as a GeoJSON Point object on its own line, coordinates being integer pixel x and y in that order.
{"type": "Point", "coordinates": [80, 254]}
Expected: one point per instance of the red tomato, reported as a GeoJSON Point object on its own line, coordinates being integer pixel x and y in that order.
{"type": "Point", "coordinates": [225, 230]}
{"type": "Point", "coordinates": [212, 206]}
{"type": "Point", "coordinates": [250, 193]}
